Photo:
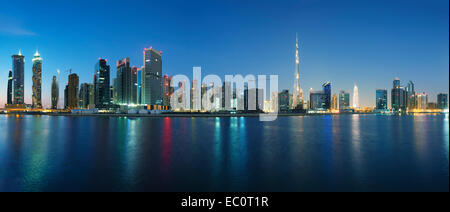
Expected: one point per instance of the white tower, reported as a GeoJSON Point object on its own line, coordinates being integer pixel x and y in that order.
{"type": "Point", "coordinates": [355, 97]}
{"type": "Point", "coordinates": [298, 92]}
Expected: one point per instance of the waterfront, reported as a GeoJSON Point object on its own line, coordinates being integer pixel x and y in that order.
{"type": "Point", "coordinates": [364, 152]}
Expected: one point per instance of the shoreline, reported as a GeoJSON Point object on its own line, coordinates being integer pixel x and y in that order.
{"type": "Point", "coordinates": [206, 115]}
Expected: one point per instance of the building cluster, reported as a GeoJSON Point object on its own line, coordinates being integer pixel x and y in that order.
{"type": "Point", "coordinates": [133, 87]}
{"type": "Point", "coordinates": [146, 88]}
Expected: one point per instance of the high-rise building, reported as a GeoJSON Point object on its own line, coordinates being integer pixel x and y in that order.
{"type": "Point", "coordinates": [126, 83]}
{"type": "Point", "coordinates": [37, 81]}
{"type": "Point", "coordinates": [102, 84]}
{"type": "Point", "coordinates": [297, 101]}
{"type": "Point", "coordinates": [167, 90]}
{"type": "Point", "coordinates": [283, 100]}
{"type": "Point", "coordinates": [55, 93]}
{"type": "Point", "coordinates": [152, 77]}
{"type": "Point", "coordinates": [421, 101]}
{"type": "Point", "coordinates": [9, 98]}
{"type": "Point", "coordinates": [18, 62]}
{"type": "Point", "coordinates": [334, 102]}
{"type": "Point", "coordinates": [381, 100]}
{"type": "Point", "coordinates": [398, 97]}
{"type": "Point", "coordinates": [66, 97]}
{"type": "Point", "coordinates": [320, 100]}
{"type": "Point", "coordinates": [411, 95]}
{"type": "Point", "coordinates": [139, 85]}
{"type": "Point", "coordinates": [327, 91]}
{"type": "Point", "coordinates": [344, 100]}
{"type": "Point", "coordinates": [355, 97]}
{"type": "Point", "coordinates": [86, 95]}
{"type": "Point", "coordinates": [72, 91]}
{"type": "Point", "coordinates": [442, 101]}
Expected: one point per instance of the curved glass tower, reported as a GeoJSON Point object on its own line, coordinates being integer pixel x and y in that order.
{"type": "Point", "coordinates": [37, 81]}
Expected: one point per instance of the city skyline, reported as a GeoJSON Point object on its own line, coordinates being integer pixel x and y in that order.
{"type": "Point", "coordinates": [318, 63]}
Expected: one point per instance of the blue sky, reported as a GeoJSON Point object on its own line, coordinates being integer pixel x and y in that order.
{"type": "Point", "coordinates": [345, 42]}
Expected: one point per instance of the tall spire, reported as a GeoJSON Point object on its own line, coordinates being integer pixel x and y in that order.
{"type": "Point", "coordinates": [20, 53]}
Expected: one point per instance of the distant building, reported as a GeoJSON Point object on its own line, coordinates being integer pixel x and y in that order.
{"type": "Point", "coordinates": [66, 97]}
{"type": "Point", "coordinates": [139, 85]}
{"type": "Point", "coordinates": [442, 101]}
{"type": "Point", "coordinates": [37, 81]}
{"type": "Point", "coordinates": [320, 100]}
{"type": "Point", "coordinates": [19, 84]}
{"type": "Point", "coordinates": [283, 100]}
{"type": "Point", "coordinates": [381, 100]}
{"type": "Point", "coordinates": [411, 95]}
{"type": "Point", "coordinates": [344, 100]}
{"type": "Point", "coordinates": [9, 97]}
{"type": "Point", "coordinates": [355, 97]}
{"type": "Point", "coordinates": [72, 92]}
{"type": "Point", "coordinates": [55, 93]}
{"type": "Point", "coordinates": [421, 101]}
{"type": "Point", "coordinates": [399, 97]}
{"type": "Point", "coordinates": [152, 77]}
{"type": "Point", "coordinates": [102, 84]}
{"type": "Point", "coordinates": [334, 102]}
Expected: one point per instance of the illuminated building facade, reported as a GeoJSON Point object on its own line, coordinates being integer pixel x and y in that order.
{"type": "Point", "coordinates": [355, 97]}
{"type": "Point", "coordinates": [283, 100]}
{"type": "Point", "coordinates": [399, 97]}
{"type": "Point", "coordinates": [126, 89]}
{"type": "Point", "coordinates": [381, 100]}
{"type": "Point", "coordinates": [442, 101]}
{"type": "Point", "coordinates": [102, 84]}
{"type": "Point", "coordinates": [152, 77]}
{"type": "Point", "coordinates": [37, 81]}
{"type": "Point", "coordinates": [18, 62]}
{"type": "Point", "coordinates": [167, 90]}
{"type": "Point", "coordinates": [297, 101]}
{"type": "Point", "coordinates": [9, 97]}
{"type": "Point", "coordinates": [344, 100]}
{"type": "Point", "coordinates": [72, 92]}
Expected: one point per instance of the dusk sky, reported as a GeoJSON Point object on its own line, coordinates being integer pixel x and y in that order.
{"type": "Point", "coordinates": [345, 42]}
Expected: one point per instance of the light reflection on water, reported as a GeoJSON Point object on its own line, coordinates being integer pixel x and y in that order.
{"type": "Point", "coordinates": [310, 153]}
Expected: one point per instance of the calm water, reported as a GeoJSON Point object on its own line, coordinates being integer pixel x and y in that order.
{"type": "Point", "coordinates": [312, 153]}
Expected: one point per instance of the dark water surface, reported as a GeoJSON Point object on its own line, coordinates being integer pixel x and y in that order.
{"type": "Point", "coordinates": [311, 153]}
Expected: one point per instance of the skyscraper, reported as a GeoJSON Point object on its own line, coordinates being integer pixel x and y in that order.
{"type": "Point", "coordinates": [283, 100]}
{"type": "Point", "coordinates": [320, 100]}
{"type": "Point", "coordinates": [327, 91]}
{"type": "Point", "coordinates": [421, 101]}
{"type": "Point", "coordinates": [86, 95]}
{"type": "Point", "coordinates": [37, 81]}
{"type": "Point", "coordinates": [72, 92]}
{"type": "Point", "coordinates": [55, 93]}
{"type": "Point", "coordinates": [152, 77]}
{"type": "Point", "coordinates": [126, 82]}
{"type": "Point", "coordinates": [355, 97]}
{"type": "Point", "coordinates": [334, 102]}
{"type": "Point", "coordinates": [139, 85]}
{"type": "Point", "coordinates": [297, 101]}
{"type": "Point", "coordinates": [442, 101]}
{"type": "Point", "coordinates": [9, 98]}
{"type": "Point", "coordinates": [18, 71]}
{"type": "Point", "coordinates": [381, 101]}
{"type": "Point", "coordinates": [344, 100]}
{"type": "Point", "coordinates": [398, 97]}
{"type": "Point", "coordinates": [411, 95]}
{"type": "Point", "coordinates": [102, 84]}
{"type": "Point", "coordinates": [167, 90]}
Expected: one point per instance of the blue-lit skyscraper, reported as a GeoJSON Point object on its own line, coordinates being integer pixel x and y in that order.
{"type": "Point", "coordinates": [327, 91]}
{"type": "Point", "coordinates": [381, 99]}
{"type": "Point", "coordinates": [442, 101]}
{"type": "Point", "coordinates": [344, 100]}
{"type": "Point", "coordinates": [18, 62]}
{"type": "Point", "coordinates": [399, 97]}
{"type": "Point", "coordinates": [102, 84]}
